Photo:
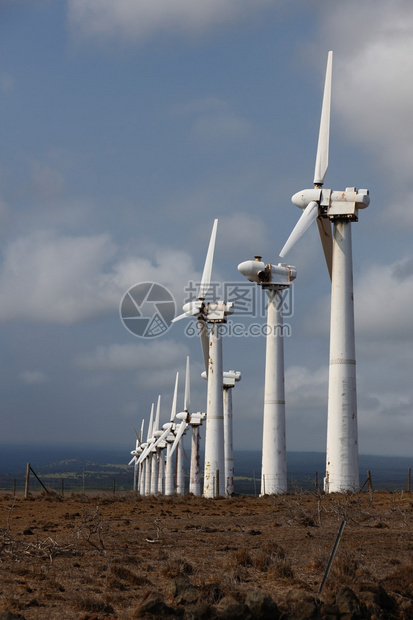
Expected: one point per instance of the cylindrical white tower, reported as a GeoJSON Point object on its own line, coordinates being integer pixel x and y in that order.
{"type": "Point", "coordinates": [194, 472]}
{"type": "Point", "coordinates": [342, 471]}
{"type": "Point", "coordinates": [148, 474]}
{"type": "Point", "coordinates": [161, 466]}
{"type": "Point", "coordinates": [135, 475]}
{"type": "Point", "coordinates": [274, 458]}
{"type": "Point", "coordinates": [153, 456]}
{"type": "Point", "coordinates": [142, 479]}
{"type": "Point", "coordinates": [169, 468]}
{"type": "Point", "coordinates": [214, 472]}
{"type": "Point", "coordinates": [180, 468]}
{"type": "Point", "coordinates": [228, 442]}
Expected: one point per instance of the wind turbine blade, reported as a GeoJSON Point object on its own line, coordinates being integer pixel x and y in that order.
{"type": "Point", "coordinates": [141, 433]}
{"type": "Point", "coordinates": [162, 437]}
{"type": "Point", "coordinates": [179, 434]}
{"type": "Point", "coordinates": [157, 416]}
{"type": "Point", "coordinates": [149, 435]}
{"type": "Point", "coordinates": [145, 453]}
{"type": "Point", "coordinates": [324, 228]}
{"type": "Point", "coordinates": [132, 460]}
{"type": "Point", "coordinates": [308, 216]}
{"type": "Point", "coordinates": [206, 275]}
{"type": "Point", "coordinates": [321, 162]}
{"type": "Point", "coordinates": [174, 399]}
{"type": "Point", "coordinates": [203, 334]}
{"type": "Point", "coordinates": [187, 396]}
{"type": "Point", "coordinates": [184, 315]}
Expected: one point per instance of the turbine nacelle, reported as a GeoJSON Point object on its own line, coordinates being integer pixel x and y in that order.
{"type": "Point", "coordinates": [197, 418]}
{"type": "Point", "coordinates": [182, 416]}
{"type": "Point", "coordinates": [217, 311]}
{"type": "Point", "coordinates": [192, 308]}
{"type": "Point", "coordinates": [229, 377]}
{"type": "Point", "coordinates": [333, 203]}
{"type": "Point", "coordinates": [267, 274]}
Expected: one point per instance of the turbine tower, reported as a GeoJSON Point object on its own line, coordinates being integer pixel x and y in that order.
{"type": "Point", "coordinates": [229, 379]}
{"type": "Point", "coordinates": [167, 437]}
{"type": "Point", "coordinates": [340, 208]}
{"type": "Point", "coordinates": [194, 420]}
{"type": "Point", "coordinates": [134, 461]}
{"type": "Point", "coordinates": [214, 314]}
{"type": "Point", "coordinates": [273, 278]}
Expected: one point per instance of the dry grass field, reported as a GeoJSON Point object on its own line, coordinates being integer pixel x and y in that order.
{"type": "Point", "coordinates": [95, 557]}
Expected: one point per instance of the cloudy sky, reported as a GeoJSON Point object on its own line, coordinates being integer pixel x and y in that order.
{"type": "Point", "coordinates": [125, 128]}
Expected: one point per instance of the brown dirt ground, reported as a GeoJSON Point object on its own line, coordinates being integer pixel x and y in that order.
{"type": "Point", "coordinates": [100, 556]}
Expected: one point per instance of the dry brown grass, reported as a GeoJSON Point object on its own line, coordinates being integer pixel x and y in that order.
{"type": "Point", "coordinates": [100, 557]}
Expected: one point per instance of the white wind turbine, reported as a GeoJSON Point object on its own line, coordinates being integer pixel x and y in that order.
{"type": "Point", "coordinates": [147, 462]}
{"type": "Point", "coordinates": [341, 208]}
{"type": "Point", "coordinates": [194, 420]}
{"type": "Point", "coordinates": [153, 452]}
{"type": "Point", "coordinates": [134, 461]}
{"type": "Point", "coordinates": [229, 378]}
{"type": "Point", "coordinates": [168, 437]}
{"type": "Point", "coordinates": [214, 314]}
{"type": "Point", "coordinates": [273, 278]}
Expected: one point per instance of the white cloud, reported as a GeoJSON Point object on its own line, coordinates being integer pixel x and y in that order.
{"type": "Point", "coordinates": [46, 277]}
{"type": "Point", "coordinates": [7, 82]}
{"type": "Point", "coordinates": [221, 128]}
{"type": "Point", "coordinates": [146, 356]}
{"type": "Point", "coordinates": [33, 377]}
{"type": "Point", "coordinates": [383, 301]}
{"type": "Point", "coordinates": [47, 182]}
{"type": "Point", "coordinates": [306, 386]}
{"type": "Point", "coordinates": [50, 278]}
{"type": "Point", "coordinates": [140, 19]}
{"type": "Point", "coordinates": [153, 364]}
{"type": "Point", "coordinates": [372, 89]}
{"type": "Point", "coordinates": [201, 105]}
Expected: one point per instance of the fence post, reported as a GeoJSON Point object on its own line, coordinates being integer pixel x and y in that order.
{"type": "Point", "coordinates": [26, 486]}
{"type": "Point", "coordinates": [333, 553]}
{"type": "Point", "coordinates": [217, 483]}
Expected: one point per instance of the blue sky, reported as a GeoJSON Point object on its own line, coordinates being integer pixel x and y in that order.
{"type": "Point", "coordinates": [125, 129]}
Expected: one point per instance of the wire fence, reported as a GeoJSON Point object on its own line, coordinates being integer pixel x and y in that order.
{"type": "Point", "coordinates": [92, 482]}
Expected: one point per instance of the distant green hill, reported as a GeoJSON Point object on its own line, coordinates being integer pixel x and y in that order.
{"type": "Point", "coordinates": [102, 468]}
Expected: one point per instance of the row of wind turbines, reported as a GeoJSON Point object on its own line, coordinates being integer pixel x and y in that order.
{"type": "Point", "coordinates": [156, 471]}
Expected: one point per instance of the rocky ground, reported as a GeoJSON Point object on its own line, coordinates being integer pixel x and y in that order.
{"type": "Point", "coordinates": [95, 557]}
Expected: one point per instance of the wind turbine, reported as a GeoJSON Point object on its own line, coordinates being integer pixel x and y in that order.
{"type": "Point", "coordinates": [168, 437]}
{"type": "Point", "coordinates": [273, 278]}
{"type": "Point", "coordinates": [146, 463]}
{"type": "Point", "coordinates": [153, 453]}
{"type": "Point", "coordinates": [194, 420]}
{"type": "Point", "coordinates": [134, 461]}
{"type": "Point", "coordinates": [229, 378]}
{"type": "Point", "coordinates": [214, 314]}
{"type": "Point", "coordinates": [341, 209]}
